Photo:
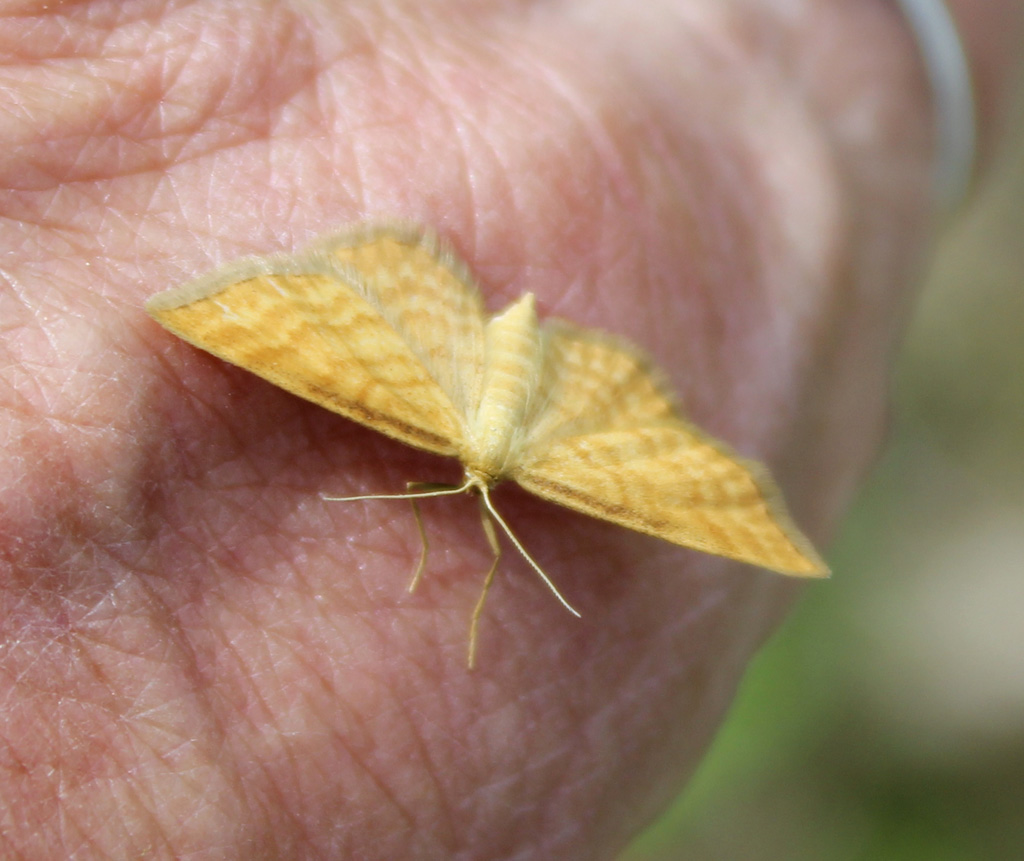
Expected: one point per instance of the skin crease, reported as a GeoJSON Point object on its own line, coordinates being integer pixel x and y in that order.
{"type": "Point", "coordinates": [200, 657]}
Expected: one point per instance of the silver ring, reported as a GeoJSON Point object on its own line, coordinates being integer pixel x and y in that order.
{"type": "Point", "coordinates": [955, 122]}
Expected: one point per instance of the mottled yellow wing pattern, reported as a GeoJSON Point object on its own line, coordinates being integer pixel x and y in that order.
{"type": "Point", "coordinates": [426, 295]}
{"type": "Point", "coordinates": [608, 441]}
{"type": "Point", "coordinates": [317, 326]}
{"type": "Point", "coordinates": [591, 381]}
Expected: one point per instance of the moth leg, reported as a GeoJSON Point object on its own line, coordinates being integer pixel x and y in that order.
{"type": "Point", "coordinates": [430, 487]}
{"type": "Point", "coordinates": [424, 543]}
{"type": "Point", "coordinates": [492, 539]}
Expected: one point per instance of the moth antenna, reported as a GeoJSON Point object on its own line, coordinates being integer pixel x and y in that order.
{"type": "Point", "coordinates": [436, 490]}
{"type": "Point", "coordinates": [446, 490]}
{"type": "Point", "coordinates": [505, 528]}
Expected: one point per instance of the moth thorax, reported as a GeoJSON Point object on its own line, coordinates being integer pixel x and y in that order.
{"type": "Point", "coordinates": [511, 368]}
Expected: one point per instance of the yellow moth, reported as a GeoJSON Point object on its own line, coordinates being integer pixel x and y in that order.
{"type": "Point", "coordinates": [384, 325]}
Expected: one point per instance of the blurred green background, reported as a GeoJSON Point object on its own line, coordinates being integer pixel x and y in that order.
{"type": "Point", "coordinates": [886, 720]}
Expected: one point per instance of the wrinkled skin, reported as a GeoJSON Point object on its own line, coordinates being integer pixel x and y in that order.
{"type": "Point", "coordinates": [199, 656]}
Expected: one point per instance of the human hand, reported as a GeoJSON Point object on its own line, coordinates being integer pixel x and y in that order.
{"type": "Point", "coordinates": [199, 654]}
